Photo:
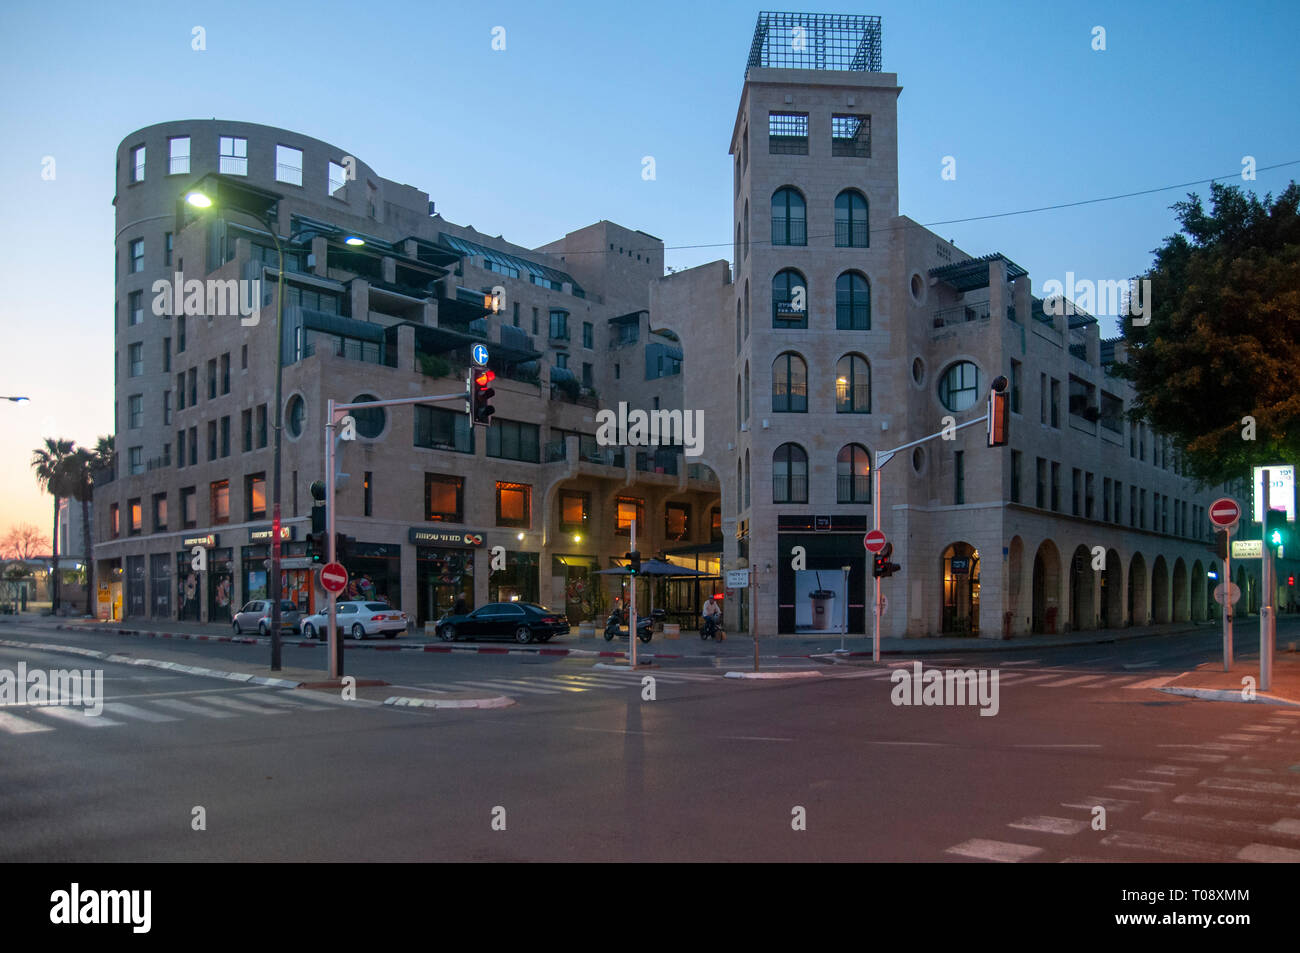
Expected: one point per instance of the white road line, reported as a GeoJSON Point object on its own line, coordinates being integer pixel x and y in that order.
{"type": "Point", "coordinates": [1270, 728]}
{"type": "Point", "coordinates": [557, 685]}
{"type": "Point", "coordinates": [1049, 825]}
{"type": "Point", "coordinates": [13, 725]}
{"type": "Point", "coordinates": [1268, 854]}
{"type": "Point", "coordinates": [189, 708]}
{"type": "Point", "coordinates": [1171, 770]}
{"type": "Point", "coordinates": [511, 686]}
{"type": "Point", "coordinates": [75, 717]}
{"type": "Point", "coordinates": [1173, 846]}
{"type": "Point", "coordinates": [1251, 738]}
{"type": "Point", "coordinates": [1249, 805]}
{"type": "Point", "coordinates": [1241, 769]}
{"type": "Point", "coordinates": [1150, 683]}
{"type": "Point", "coordinates": [996, 850]}
{"type": "Point", "coordinates": [1030, 661]}
{"type": "Point", "coordinates": [1031, 678]}
{"type": "Point", "coordinates": [236, 705]}
{"type": "Point", "coordinates": [1244, 784]}
{"type": "Point", "coordinates": [1112, 804]}
{"type": "Point", "coordinates": [1251, 828]}
{"type": "Point", "coordinates": [1070, 681]}
{"type": "Point", "coordinates": [1137, 784]}
{"type": "Point", "coordinates": [131, 711]}
{"type": "Point", "coordinates": [273, 699]}
{"type": "Point", "coordinates": [1199, 758]}
{"type": "Point", "coordinates": [1288, 825]}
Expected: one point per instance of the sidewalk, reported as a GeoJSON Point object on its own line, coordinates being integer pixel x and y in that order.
{"type": "Point", "coordinates": [1210, 682]}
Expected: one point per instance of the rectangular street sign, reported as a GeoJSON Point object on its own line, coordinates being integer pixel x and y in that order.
{"type": "Point", "coordinates": [1247, 549]}
{"type": "Point", "coordinates": [1281, 480]}
{"type": "Point", "coordinates": [737, 578]}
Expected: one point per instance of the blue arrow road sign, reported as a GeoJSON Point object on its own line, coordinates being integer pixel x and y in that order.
{"type": "Point", "coordinates": [480, 354]}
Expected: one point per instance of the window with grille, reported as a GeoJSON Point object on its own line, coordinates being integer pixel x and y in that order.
{"type": "Point", "coordinates": [851, 136]}
{"type": "Point", "coordinates": [787, 134]}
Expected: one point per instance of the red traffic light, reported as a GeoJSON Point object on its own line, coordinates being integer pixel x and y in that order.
{"type": "Point", "coordinates": [485, 378]}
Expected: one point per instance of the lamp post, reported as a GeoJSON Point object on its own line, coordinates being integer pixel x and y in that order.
{"type": "Point", "coordinates": [259, 205]}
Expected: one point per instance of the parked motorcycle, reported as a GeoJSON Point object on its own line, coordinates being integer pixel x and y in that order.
{"type": "Point", "coordinates": [644, 626]}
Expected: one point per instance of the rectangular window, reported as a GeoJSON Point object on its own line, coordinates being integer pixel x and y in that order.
{"type": "Point", "coordinates": [514, 504]}
{"type": "Point", "coordinates": [180, 333]}
{"type": "Point", "coordinates": [787, 134]}
{"type": "Point", "coordinates": [1015, 387]}
{"type": "Point", "coordinates": [677, 522]}
{"type": "Point", "coordinates": [1112, 413]}
{"type": "Point", "coordinates": [135, 411]}
{"type": "Point", "coordinates": [194, 446]}
{"type": "Point", "coordinates": [178, 155]}
{"type": "Point", "coordinates": [338, 178]}
{"type": "Point", "coordinates": [159, 512]}
{"type": "Point", "coordinates": [168, 247]}
{"type": "Point", "coordinates": [180, 391]}
{"type": "Point", "coordinates": [562, 361]}
{"type": "Point", "coordinates": [246, 424]}
{"type": "Point", "coordinates": [1105, 498]}
{"type": "Point", "coordinates": [1119, 501]}
{"type": "Point", "coordinates": [513, 440]}
{"type": "Point", "coordinates": [1132, 506]}
{"type": "Point", "coordinates": [167, 355]}
{"type": "Point", "coordinates": [587, 335]}
{"type": "Point", "coordinates": [586, 374]}
{"type": "Point", "coordinates": [1042, 398]}
{"type": "Point", "coordinates": [135, 460]}
{"type": "Point", "coordinates": [261, 426]}
{"type": "Point", "coordinates": [225, 436]}
{"type": "Point", "coordinates": [1015, 476]}
{"type": "Point", "coordinates": [368, 494]}
{"type": "Point", "coordinates": [288, 165]}
{"type": "Point", "coordinates": [212, 440]}
{"type": "Point", "coordinates": [243, 357]}
{"type": "Point", "coordinates": [958, 478]}
{"type": "Point", "coordinates": [225, 373]}
{"type": "Point", "coordinates": [136, 514]}
{"type": "Point", "coordinates": [559, 325]}
{"type": "Point", "coordinates": [114, 522]}
{"type": "Point", "coordinates": [1164, 514]}
{"type": "Point", "coordinates": [444, 498]}
{"type": "Point", "coordinates": [575, 510]}
{"type": "Point", "coordinates": [219, 501]}
{"type": "Point", "coordinates": [137, 164]}
{"type": "Point", "coordinates": [212, 379]}
{"type": "Point", "coordinates": [189, 508]}
{"type": "Point", "coordinates": [135, 359]}
{"type": "Point", "coordinates": [628, 509]}
{"type": "Point", "coordinates": [440, 429]}
{"type": "Point", "coordinates": [1089, 494]}
{"type": "Point", "coordinates": [167, 408]}
{"type": "Point", "coordinates": [1040, 496]}
{"type": "Point", "coordinates": [180, 449]}
{"type": "Point", "coordinates": [135, 308]}
{"type": "Point", "coordinates": [1056, 487]}
{"type": "Point", "coordinates": [1055, 403]}
{"type": "Point", "coordinates": [135, 260]}
{"type": "Point", "coordinates": [255, 496]}
{"type": "Point", "coordinates": [1142, 509]}
{"type": "Point", "coordinates": [1075, 479]}
{"type": "Point", "coordinates": [534, 320]}
{"type": "Point", "coordinates": [850, 136]}
{"type": "Point", "coordinates": [234, 156]}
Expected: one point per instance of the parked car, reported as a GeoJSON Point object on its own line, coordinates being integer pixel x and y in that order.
{"type": "Point", "coordinates": [357, 619]}
{"type": "Point", "coordinates": [522, 621]}
{"type": "Point", "coordinates": [257, 615]}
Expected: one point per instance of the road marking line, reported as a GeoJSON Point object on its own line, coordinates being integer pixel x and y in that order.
{"type": "Point", "coordinates": [1137, 784]}
{"type": "Point", "coordinates": [1288, 825]}
{"type": "Point", "coordinates": [1251, 738]}
{"type": "Point", "coordinates": [236, 705]}
{"type": "Point", "coordinates": [1241, 769]}
{"type": "Point", "coordinates": [273, 699]}
{"type": "Point", "coordinates": [1072, 681]}
{"type": "Point", "coordinates": [503, 686]}
{"type": "Point", "coordinates": [175, 704]}
{"type": "Point", "coordinates": [130, 711]}
{"type": "Point", "coordinates": [1170, 769]}
{"type": "Point", "coordinates": [1234, 803]}
{"type": "Point", "coordinates": [1268, 854]}
{"type": "Point", "coordinates": [1199, 758]}
{"type": "Point", "coordinates": [1149, 683]}
{"type": "Point", "coordinates": [1049, 825]}
{"type": "Point", "coordinates": [1033, 678]}
{"type": "Point", "coordinates": [1253, 828]}
{"type": "Point", "coordinates": [1159, 843]}
{"type": "Point", "coordinates": [1243, 784]}
{"type": "Point", "coordinates": [77, 718]}
{"type": "Point", "coordinates": [13, 725]}
{"type": "Point", "coordinates": [996, 850]}
{"type": "Point", "coordinates": [1109, 803]}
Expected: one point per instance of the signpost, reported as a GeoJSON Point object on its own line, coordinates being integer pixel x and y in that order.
{"type": "Point", "coordinates": [334, 578]}
{"type": "Point", "coordinates": [480, 355]}
{"type": "Point", "coordinates": [874, 541]}
{"type": "Point", "coordinates": [1224, 514]}
{"type": "Point", "coordinates": [737, 578]}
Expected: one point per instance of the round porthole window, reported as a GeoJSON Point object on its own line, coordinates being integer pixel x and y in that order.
{"type": "Point", "coordinates": [959, 386]}
{"type": "Point", "coordinates": [370, 423]}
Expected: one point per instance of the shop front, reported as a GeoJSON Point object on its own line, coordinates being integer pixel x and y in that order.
{"type": "Point", "coordinates": [295, 568]}
{"type": "Point", "coordinates": [375, 571]}
{"type": "Point", "coordinates": [160, 585]}
{"type": "Point", "coordinates": [444, 570]}
{"type": "Point", "coordinates": [517, 582]}
{"type": "Point", "coordinates": [189, 589]}
{"type": "Point", "coordinates": [683, 599]}
{"type": "Point", "coordinates": [137, 606]}
{"type": "Point", "coordinates": [827, 593]}
{"type": "Point", "coordinates": [575, 585]}
{"type": "Point", "coordinates": [221, 584]}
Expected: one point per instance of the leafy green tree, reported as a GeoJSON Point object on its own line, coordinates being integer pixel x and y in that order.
{"type": "Point", "coordinates": [1219, 363]}
{"type": "Point", "coordinates": [50, 464]}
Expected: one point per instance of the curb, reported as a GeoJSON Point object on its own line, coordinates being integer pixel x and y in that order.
{"type": "Point", "coordinates": [1227, 695]}
{"type": "Point", "coordinates": [804, 674]}
{"type": "Point", "coordinates": [403, 701]}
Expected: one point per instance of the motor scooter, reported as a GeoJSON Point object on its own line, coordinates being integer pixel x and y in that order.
{"type": "Point", "coordinates": [644, 625]}
{"type": "Point", "coordinates": [709, 627]}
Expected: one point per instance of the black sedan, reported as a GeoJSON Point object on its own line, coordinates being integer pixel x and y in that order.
{"type": "Point", "coordinates": [522, 621]}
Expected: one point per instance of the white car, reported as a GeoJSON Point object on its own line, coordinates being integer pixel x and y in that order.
{"type": "Point", "coordinates": [358, 620]}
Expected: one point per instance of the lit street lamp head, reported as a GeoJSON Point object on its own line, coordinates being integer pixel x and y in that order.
{"type": "Point", "coordinates": [198, 200]}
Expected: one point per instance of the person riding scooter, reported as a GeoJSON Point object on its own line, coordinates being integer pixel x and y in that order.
{"type": "Point", "coordinates": [711, 627]}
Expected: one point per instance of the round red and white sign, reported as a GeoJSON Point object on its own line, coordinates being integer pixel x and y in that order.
{"type": "Point", "coordinates": [874, 541]}
{"type": "Point", "coordinates": [334, 577]}
{"type": "Point", "coordinates": [1224, 512]}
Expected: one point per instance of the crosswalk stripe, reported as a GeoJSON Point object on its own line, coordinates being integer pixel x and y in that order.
{"type": "Point", "coordinates": [1253, 828]}
{"type": "Point", "coordinates": [1195, 758]}
{"type": "Point", "coordinates": [1171, 770]}
{"type": "Point", "coordinates": [1150, 683]}
{"type": "Point", "coordinates": [1137, 784]}
{"type": "Point", "coordinates": [511, 687]}
{"type": "Point", "coordinates": [1257, 787]}
{"type": "Point", "coordinates": [1073, 681]}
{"type": "Point", "coordinates": [997, 850]}
{"type": "Point", "coordinates": [1049, 825]}
{"type": "Point", "coordinates": [236, 705]}
{"type": "Point", "coordinates": [1268, 854]}
{"type": "Point", "coordinates": [273, 699]}
{"type": "Point", "coordinates": [175, 704]}
{"type": "Point", "coordinates": [1115, 805]}
{"type": "Point", "coordinates": [1161, 844]}
{"type": "Point", "coordinates": [13, 725]}
{"type": "Point", "coordinates": [76, 717]}
{"type": "Point", "coordinates": [1249, 805]}
{"type": "Point", "coordinates": [1031, 678]}
{"type": "Point", "coordinates": [131, 711]}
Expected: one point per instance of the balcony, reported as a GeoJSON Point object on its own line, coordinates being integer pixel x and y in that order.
{"type": "Point", "coordinates": [962, 314]}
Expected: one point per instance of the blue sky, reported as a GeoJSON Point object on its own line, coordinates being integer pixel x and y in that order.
{"type": "Point", "coordinates": [548, 135]}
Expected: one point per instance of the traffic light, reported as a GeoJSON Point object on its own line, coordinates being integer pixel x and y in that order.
{"type": "Point", "coordinates": [633, 563]}
{"type": "Point", "coordinates": [343, 547]}
{"type": "Point", "coordinates": [1277, 531]}
{"type": "Point", "coordinates": [480, 396]}
{"type": "Point", "coordinates": [316, 547]}
{"type": "Point", "coordinates": [1221, 543]}
{"type": "Point", "coordinates": [999, 422]}
{"type": "Point", "coordinates": [882, 568]}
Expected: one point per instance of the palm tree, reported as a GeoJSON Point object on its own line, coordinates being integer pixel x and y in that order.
{"type": "Point", "coordinates": [50, 465]}
{"type": "Point", "coordinates": [81, 469]}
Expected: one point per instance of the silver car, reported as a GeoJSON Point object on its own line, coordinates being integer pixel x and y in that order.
{"type": "Point", "coordinates": [358, 619]}
{"type": "Point", "coordinates": [256, 615]}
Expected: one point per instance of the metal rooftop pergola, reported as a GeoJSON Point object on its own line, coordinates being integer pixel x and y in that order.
{"type": "Point", "coordinates": [973, 273]}
{"type": "Point", "coordinates": [815, 41]}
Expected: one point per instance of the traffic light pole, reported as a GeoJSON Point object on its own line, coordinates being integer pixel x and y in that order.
{"type": "Point", "coordinates": [631, 611]}
{"type": "Point", "coordinates": [1227, 599]}
{"type": "Point", "coordinates": [1267, 611]}
{"type": "Point", "coordinates": [883, 457]}
{"type": "Point", "coordinates": [334, 414]}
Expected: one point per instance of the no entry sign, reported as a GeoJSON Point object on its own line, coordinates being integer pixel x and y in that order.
{"type": "Point", "coordinates": [874, 541]}
{"type": "Point", "coordinates": [1224, 512]}
{"type": "Point", "coordinates": [334, 577]}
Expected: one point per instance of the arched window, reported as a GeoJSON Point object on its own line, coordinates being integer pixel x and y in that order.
{"type": "Point", "coordinates": [852, 302]}
{"type": "Point", "coordinates": [740, 486]}
{"type": "Point", "coordinates": [739, 416]}
{"type": "Point", "coordinates": [853, 475]}
{"type": "Point", "coordinates": [959, 386]}
{"type": "Point", "coordinates": [737, 246]}
{"type": "Point", "coordinates": [789, 384]}
{"type": "Point", "coordinates": [737, 325]}
{"type": "Point", "coordinates": [790, 474]}
{"type": "Point", "coordinates": [746, 478]}
{"type": "Point", "coordinates": [852, 385]}
{"type": "Point", "coordinates": [295, 415]}
{"type": "Point", "coordinates": [746, 228]}
{"type": "Point", "coordinates": [851, 220]}
{"type": "Point", "coordinates": [747, 390]}
{"type": "Point", "coordinates": [746, 309]}
{"type": "Point", "coordinates": [789, 217]}
{"type": "Point", "coordinates": [789, 300]}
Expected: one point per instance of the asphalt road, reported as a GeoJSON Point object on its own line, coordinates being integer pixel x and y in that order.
{"type": "Point", "coordinates": [583, 768]}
